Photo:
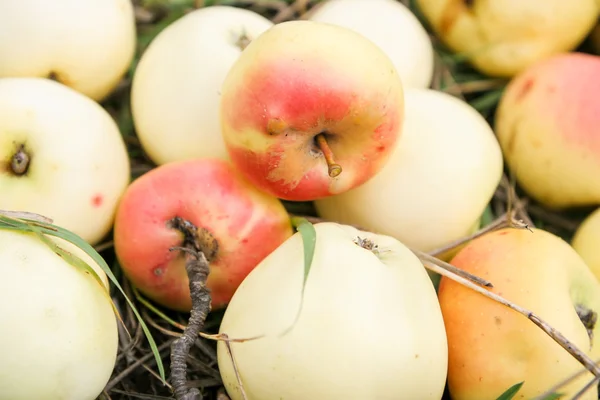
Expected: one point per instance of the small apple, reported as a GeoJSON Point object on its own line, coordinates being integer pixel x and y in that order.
{"type": "Point", "coordinates": [440, 177]}
{"type": "Point", "coordinates": [549, 129]}
{"type": "Point", "coordinates": [205, 199]}
{"type": "Point", "coordinates": [59, 332]}
{"type": "Point", "coordinates": [311, 109]}
{"type": "Point", "coordinates": [86, 45]}
{"type": "Point", "coordinates": [492, 347]}
{"type": "Point", "coordinates": [176, 85]}
{"type": "Point", "coordinates": [503, 37]}
{"type": "Point", "coordinates": [368, 325]}
{"type": "Point", "coordinates": [390, 25]}
{"type": "Point", "coordinates": [61, 155]}
{"type": "Point", "coordinates": [586, 241]}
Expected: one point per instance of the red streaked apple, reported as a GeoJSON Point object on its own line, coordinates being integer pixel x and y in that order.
{"type": "Point", "coordinates": [548, 125]}
{"type": "Point", "coordinates": [86, 45]}
{"type": "Point", "coordinates": [586, 241]}
{"type": "Point", "coordinates": [504, 37]}
{"type": "Point", "coordinates": [492, 347]}
{"type": "Point", "coordinates": [311, 109]}
{"type": "Point", "coordinates": [393, 27]}
{"type": "Point", "coordinates": [207, 196]}
{"type": "Point", "coordinates": [420, 195]}
{"type": "Point", "coordinates": [61, 155]}
{"type": "Point", "coordinates": [176, 86]}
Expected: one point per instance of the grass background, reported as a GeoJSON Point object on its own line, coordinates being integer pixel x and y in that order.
{"type": "Point", "coordinates": [135, 375]}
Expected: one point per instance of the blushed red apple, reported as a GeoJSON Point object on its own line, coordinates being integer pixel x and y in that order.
{"type": "Point", "coordinates": [548, 126]}
{"type": "Point", "coordinates": [311, 109]}
{"type": "Point", "coordinates": [210, 194]}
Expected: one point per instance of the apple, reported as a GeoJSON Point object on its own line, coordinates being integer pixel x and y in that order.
{"type": "Point", "coordinates": [390, 25]}
{"type": "Point", "coordinates": [492, 347]}
{"type": "Point", "coordinates": [503, 37]}
{"type": "Point", "coordinates": [586, 239]}
{"type": "Point", "coordinates": [368, 325]}
{"type": "Point", "coordinates": [311, 109]}
{"type": "Point", "coordinates": [213, 198]}
{"type": "Point", "coordinates": [549, 130]}
{"type": "Point", "coordinates": [61, 155]}
{"type": "Point", "coordinates": [59, 332]}
{"type": "Point", "coordinates": [87, 45]}
{"type": "Point", "coordinates": [176, 86]}
{"type": "Point", "coordinates": [440, 177]}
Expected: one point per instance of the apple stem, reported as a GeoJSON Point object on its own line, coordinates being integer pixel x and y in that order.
{"type": "Point", "coordinates": [20, 161]}
{"type": "Point", "coordinates": [334, 168]}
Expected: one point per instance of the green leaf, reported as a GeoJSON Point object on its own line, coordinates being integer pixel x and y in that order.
{"type": "Point", "coordinates": [511, 392]}
{"type": "Point", "coordinates": [553, 396]}
{"type": "Point", "coordinates": [41, 228]}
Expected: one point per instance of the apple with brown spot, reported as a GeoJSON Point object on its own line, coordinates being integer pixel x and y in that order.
{"type": "Point", "coordinates": [548, 126]}
{"type": "Point", "coordinates": [311, 109]}
{"type": "Point", "coordinates": [206, 200]}
{"type": "Point", "coordinates": [61, 155]}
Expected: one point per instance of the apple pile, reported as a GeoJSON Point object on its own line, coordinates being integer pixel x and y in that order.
{"type": "Point", "coordinates": [243, 117]}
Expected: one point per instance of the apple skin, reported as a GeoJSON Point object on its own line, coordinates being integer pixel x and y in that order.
{"type": "Point", "coordinates": [586, 239]}
{"type": "Point", "coordinates": [369, 327]}
{"type": "Point", "coordinates": [247, 224]}
{"type": "Point", "coordinates": [59, 331]}
{"type": "Point", "coordinates": [503, 37]}
{"type": "Point", "coordinates": [175, 92]}
{"type": "Point", "coordinates": [390, 25]}
{"type": "Point", "coordinates": [79, 165]}
{"type": "Point", "coordinates": [549, 130]}
{"type": "Point", "coordinates": [295, 81]}
{"type": "Point", "coordinates": [86, 45]}
{"type": "Point", "coordinates": [419, 195]}
{"type": "Point", "coordinates": [492, 347]}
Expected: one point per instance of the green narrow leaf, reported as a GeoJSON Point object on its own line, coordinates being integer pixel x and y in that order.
{"type": "Point", "coordinates": [57, 231]}
{"type": "Point", "coordinates": [511, 391]}
{"type": "Point", "coordinates": [553, 396]}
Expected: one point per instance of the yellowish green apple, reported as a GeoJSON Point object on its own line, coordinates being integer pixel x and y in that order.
{"type": "Point", "coordinates": [586, 241]}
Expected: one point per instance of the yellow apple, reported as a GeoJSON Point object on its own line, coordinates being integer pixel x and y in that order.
{"type": "Point", "coordinates": [61, 155]}
{"type": "Point", "coordinates": [58, 329]}
{"type": "Point", "coordinates": [503, 37]}
{"type": "Point", "coordinates": [87, 45]}
{"type": "Point", "coordinates": [369, 323]}
{"type": "Point", "coordinates": [390, 25]}
{"type": "Point", "coordinates": [442, 174]}
{"type": "Point", "coordinates": [177, 83]}
{"type": "Point", "coordinates": [549, 130]}
{"type": "Point", "coordinates": [492, 347]}
{"type": "Point", "coordinates": [586, 241]}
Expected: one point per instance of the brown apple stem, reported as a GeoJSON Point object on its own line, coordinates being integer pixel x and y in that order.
{"type": "Point", "coordinates": [19, 163]}
{"type": "Point", "coordinates": [197, 243]}
{"type": "Point", "coordinates": [558, 337]}
{"type": "Point", "coordinates": [334, 169]}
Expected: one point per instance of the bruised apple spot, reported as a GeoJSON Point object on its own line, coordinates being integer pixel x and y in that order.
{"type": "Point", "coordinates": [297, 93]}
{"type": "Point", "coordinates": [524, 90]}
{"type": "Point", "coordinates": [97, 200]}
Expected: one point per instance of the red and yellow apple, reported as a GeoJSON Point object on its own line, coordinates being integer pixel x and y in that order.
{"type": "Point", "coordinates": [586, 241]}
{"type": "Point", "coordinates": [492, 347]}
{"type": "Point", "coordinates": [503, 37]}
{"type": "Point", "coordinates": [392, 26]}
{"type": "Point", "coordinates": [176, 86]}
{"type": "Point", "coordinates": [311, 109]}
{"type": "Point", "coordinates": [442, 174]}
{"type": "Point", "coordinates": [205, 200]}
{"type": "Point", "coordinates": [87, 45]}
{"type": "Point", "coordinates": [61, 155]}
{"type": "Point", "coordinates": [548, 126]}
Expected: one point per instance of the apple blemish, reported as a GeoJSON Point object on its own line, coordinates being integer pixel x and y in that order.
{"type": "Point", "coordinates": [19, 163]}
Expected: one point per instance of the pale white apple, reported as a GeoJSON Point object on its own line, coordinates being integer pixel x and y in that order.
{"type": "Point", "coordinates": [390, 25]}
{"type": "Point", "coordinates": [87, 45]}
{"type": "Point", "coordinates": [59, 332]}
{"type": "Point", "coordinates": [370, 325]}
{"type": "Point", "coordinates": [61, 155]}
{"type": "Point", "coordinates": [176, 86]}
{"type": "Point", "coordinates": [442, 174]}
{"type": "Point", "coordinates": [504, 37]}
